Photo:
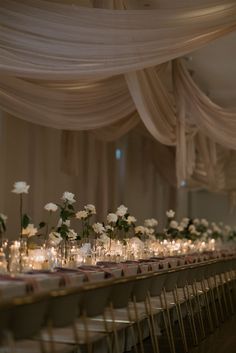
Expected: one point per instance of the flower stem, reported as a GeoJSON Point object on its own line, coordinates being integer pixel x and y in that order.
{"type": "Point", "coordinates": [21, 215]}
{"type": "Point", "coordinates": [47, 226]}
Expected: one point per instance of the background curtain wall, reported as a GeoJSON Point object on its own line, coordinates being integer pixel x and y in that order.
{"type": "Point", "coordinates": [33, 153]}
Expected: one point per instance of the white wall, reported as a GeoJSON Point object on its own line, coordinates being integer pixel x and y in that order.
{"type": "Point", "coordinates": [214, 207]}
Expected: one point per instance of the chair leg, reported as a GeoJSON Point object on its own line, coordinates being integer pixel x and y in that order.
{"type": "Point", "coordinates": [204, 290]}
{"type": "Point", "coordinates": [188, 311]}
{"type": "Point", "coordinates": [50, 334]}
{"type": "Point", "coordinates": [219, 301]}
{"type": "Point", "coordinates": [86, 330]}
{"type": "Point", "coordinates": [132, 331]}
{"type": "Point", "coordinates": [180, 319]}
{"type": "Point", "coordinates": [150, 327]}
{"type": "Point", "coordinates": [197, 296]}
{"type": "Point", "coordinates": [140, 337]}
{"type": "Point", "coordinates": [164, 313]}
{"type": "Point", "coordinates": [106, 328]}
{"type": "Point", "coordinates": [213, 299]}
{"type": "Point", "coordinates": [169, 320]}
{"type": "Point", "coordinates": [228, 281]}
{"type": "Point", "coordinates": [224, 295]}
{"type": "Point", "coordinates": [152, 323]}
{"type": "Point", "coordinates": [192, 315]}
{"type": "Point", "coordinates": [114, 328]}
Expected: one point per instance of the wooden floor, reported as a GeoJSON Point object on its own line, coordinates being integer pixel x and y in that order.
{"type": "Point", "coordinates": [223, 340]}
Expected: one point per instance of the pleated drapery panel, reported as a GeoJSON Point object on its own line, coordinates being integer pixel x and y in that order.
{"type": "Point", "coordinates": [218, 123]}
{"type": "Point", "coordinates": [67, 105]}
{"type": "Point", "coordinates": [32, 153]}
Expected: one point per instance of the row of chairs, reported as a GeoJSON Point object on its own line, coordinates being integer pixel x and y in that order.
{"type": "Point", "coordinates": [184, 304]}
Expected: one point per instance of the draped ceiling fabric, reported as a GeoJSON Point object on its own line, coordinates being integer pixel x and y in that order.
{"type": "Point", "coordinates": [68, 42]}
{"type": "Point", "coordinates": [99, 69]}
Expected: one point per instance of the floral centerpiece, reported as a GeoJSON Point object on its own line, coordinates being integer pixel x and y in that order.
{"type": "Point", "coordinates": [172, 228]}
{"type": "Point", "coordinates": [120, 223]}
{"type": "Point", "coordinates": [85, 216]}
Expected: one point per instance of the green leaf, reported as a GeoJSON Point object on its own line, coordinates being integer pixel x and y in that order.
{"type": "Point", "coordinates": [25, 221]}
{"type": "Point", "coordinates": [65, 215]}
{"type": "Point", "coordinates": [2, 224]}
{"type": "Point", "coordinates": [41, 225]}
{"type": "Point", "coordinates": [71, 207]}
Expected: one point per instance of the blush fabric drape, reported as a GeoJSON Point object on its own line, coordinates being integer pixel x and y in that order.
{"type": "Point", "coordinates": [104, 69]}
{"type": "Point", "coordinates": [49, 40]}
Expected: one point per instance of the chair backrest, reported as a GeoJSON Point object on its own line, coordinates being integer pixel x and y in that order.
{"type": "Point", "coordinates": [121, 292]}
{"type": "Point", "coordinates": [171, 280]}
{"type": "Point", "coordinates": [63, 306]}
{"type": "Point", "coordinates": [157, 284]}
{"type": "Point", "coordinates": [184, 277]}
{"type": "Point", "coordinates": [141, 287]}
{"type": "Point", "coordinates": [5, 315]}
{"type": "Point", "coordinates": [95, 297]}
{"type": "Point", "coordinates": [28, 315]}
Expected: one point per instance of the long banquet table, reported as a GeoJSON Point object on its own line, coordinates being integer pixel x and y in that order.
{"type": "Point", "coordinates": [14, 285]}
{"type": "Point", "coordinates": [93, 297]}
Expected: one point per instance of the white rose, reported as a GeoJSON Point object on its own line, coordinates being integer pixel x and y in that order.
{"type": "Point", "coordinates": [185, 220]}
{"type": "Point", "coordinates": [131, 220]}
{"type": "Point", "coordinates": [216, 229]}
{"type": "Point", "coordinates": [55, 237]}
{"type": "Point", "coordinates": [196, 221]}
{"type": "Point", "coordinates": [174, 224]}
{"type": "Point", "coordinates": [152, 222]}
{"type": "Point", "coordinates": [20, 187]}
{"type": "Point", "coordinates": [90, 208]}
{"type": "Point", "coordinates": [192, 229]}
{"type": "Point", "coordinates": [228, 228]}
{"type": "Point", "coordinates": [81, 214]}
{"type": "Point", "coordinates": [139, 230]}
{"type": "Point", "coordinates": [104, 238]}
{"type": "Point", "coordinates": [30, 231]}
{"type": "Point", "coordinates": [72, 235]}
{"type": "Point", "coordinates": [209, 231]}
{"type": "Point", "coordinates": [109, 228]}
{"type": "Point", "coordinates": [170, 214]}
{"type": "Point", "coordinates": [52, 207]}
{"type": "Point", "coordinates": [69, 197]}
{"type": "Point", "coordinates": [3, 217]}
{"type": "Point", "coordinates": [67, 223]}
{"type": "Point", "coordinates": [98, 228]}
{"type": "Point", "coordinates": [121, 210]}
{"type": "Point", "coordinates": [112, 218]}
{"type": "Point", "coordinates": [180, 228]}
{"type": "Point", "coordinates": [183, 225]}
{"type": "Point", "coordinates": [204, 222]}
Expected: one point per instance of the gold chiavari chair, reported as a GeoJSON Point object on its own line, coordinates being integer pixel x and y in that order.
{"type": "Point", "coordinates": [67, 322]}
{"type": "Point", "coordinates": [25, 320]}
{"type": "Point", "coordinates": [92, 320]}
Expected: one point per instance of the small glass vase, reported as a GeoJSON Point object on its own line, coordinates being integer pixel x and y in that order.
{"type": "Point", "coordinates": [14, 257]}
